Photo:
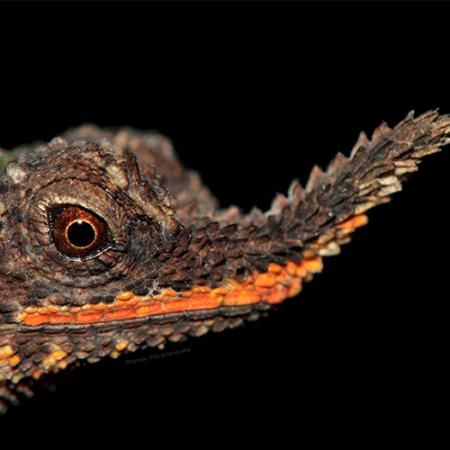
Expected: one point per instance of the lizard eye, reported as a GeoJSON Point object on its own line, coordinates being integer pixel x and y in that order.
{"type": "Point", "coordinates": [77, 232]}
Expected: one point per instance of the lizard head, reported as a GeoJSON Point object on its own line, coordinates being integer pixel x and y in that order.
{"type": "Point", "coordinates": [80, 224]}
{"type": "Point", "coordinates": [97, 258]}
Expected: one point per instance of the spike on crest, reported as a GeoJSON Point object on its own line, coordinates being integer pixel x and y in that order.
{"type": "Point", "coordinates": [381, 131]}
{"type": "Point", "coordinates": [362, 141]}
{"type": "Point", "coordinates": [316, 176]}
{"type": "Point", "coordinates": [339, 161]}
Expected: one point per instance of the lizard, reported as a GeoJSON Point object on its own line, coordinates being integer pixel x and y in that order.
{"type": "Point", "coordinates": [108, 244]}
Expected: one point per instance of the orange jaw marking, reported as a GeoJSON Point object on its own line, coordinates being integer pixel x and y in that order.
{"type": "Point", "coordinates": [352, 224]}
{"type": "Point", "coordinates": [8, 356]}
{"type": "Point", "coordinates": [272, 287]}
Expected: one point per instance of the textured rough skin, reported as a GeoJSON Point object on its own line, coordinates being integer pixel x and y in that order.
{"type": "Point", "coordinates": [175, 264]}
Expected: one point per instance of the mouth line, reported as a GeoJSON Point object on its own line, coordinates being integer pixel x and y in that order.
{"type": "Point", "coordinates": [271, 287]}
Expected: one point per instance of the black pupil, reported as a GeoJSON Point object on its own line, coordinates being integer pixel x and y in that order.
{"type": "Point", "coordinates": [81, 234]}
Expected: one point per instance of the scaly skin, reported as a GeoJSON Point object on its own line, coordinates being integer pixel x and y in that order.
{"type": "Point", "coordinates": [171, 264]}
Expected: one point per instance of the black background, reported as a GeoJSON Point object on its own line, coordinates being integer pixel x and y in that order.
{"type": "Point", "coordinates": [253, 95]}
